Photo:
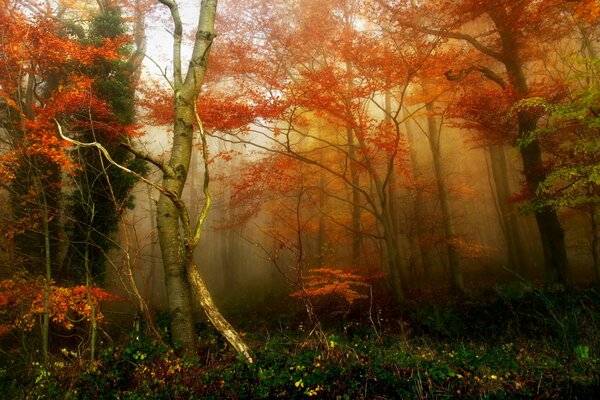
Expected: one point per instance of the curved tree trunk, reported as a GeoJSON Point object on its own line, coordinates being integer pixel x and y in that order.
{"type": "Point", "coordinates": [215, 316]}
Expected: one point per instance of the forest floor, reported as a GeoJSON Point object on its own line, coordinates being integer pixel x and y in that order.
{"type": "Point", "coordinates": [510, 342]}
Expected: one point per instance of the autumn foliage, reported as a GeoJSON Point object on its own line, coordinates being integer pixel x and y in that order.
{"type": "Point", "coordinates": [22, 304]}
{"type": "Point", "coordinates": [36, 51]}
{"type": "Point", "coordinates": [333, 284]}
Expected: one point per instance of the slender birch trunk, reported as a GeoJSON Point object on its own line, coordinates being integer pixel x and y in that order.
{"type": "Point", "coordinates": [178, 237]}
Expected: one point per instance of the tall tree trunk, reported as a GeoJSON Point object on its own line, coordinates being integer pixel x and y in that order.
{"type": "Point", "coordinates": [433, 137]}
{"type": "Point", "coordinates": [394, 200]}
{"type": "Point", "coordinates": [48, 270]}
{"type": "Point", "coordinates": [177, 241]}
{"type": "Point", "coordinates": [355, 179]}
{"type": "Point", "coordinates": [508, 214]}
{"type": "Point", "coordinates": [155, 254]}
{"type": "Point", "coordinates": [134, 63]}
{"type": "Point", "coordinates": [229, 245]}
{"type": "Point", "coordinates": [88, 282]}
{"type": "Point", "coordinates": [419, 212]}
{"type": "Point", "coordinates": [394, 266]}
{"type": "Point", "coordinates": [354, 175]}
{"type": "Point", "coordinates": [169, 232]}
{"type": "Point", "coordinates": [551, 232]}
{"type": "Point", "coordinates": [322, 232]}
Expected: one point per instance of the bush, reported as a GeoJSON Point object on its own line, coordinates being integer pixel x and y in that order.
{"type": "Point", "coordinates": [449, 361]}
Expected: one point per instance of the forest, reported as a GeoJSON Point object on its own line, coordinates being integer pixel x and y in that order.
{"type": "Point", "coordinates": [330, 199]}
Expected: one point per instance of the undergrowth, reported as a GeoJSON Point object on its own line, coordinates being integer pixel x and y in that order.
{"type": "Point", "coordinates": [516, 342]}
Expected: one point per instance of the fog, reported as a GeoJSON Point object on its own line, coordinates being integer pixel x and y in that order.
{"type": "Point", "coordinates": [234, 254]}
{"type": "Point", "coordinates": [365, 143]}
{"type": "Point", "coordinates": [299, 198]}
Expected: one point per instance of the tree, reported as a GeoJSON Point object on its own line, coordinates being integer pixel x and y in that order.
{"type": "Point", "coordinates": [433, 134]}
{"type": "Point", "coordinates": [498, 37]}
{"type": "Point", "coordinates": [102, 192]}
{"type": "Point", "coordinates": [337, 77]}
{"type": "Point", "coordinates": [572, 130]}
{"type": "Point", "coordinates": [44, 82]}
{"type": "Point", "coordinates": [178, 235]}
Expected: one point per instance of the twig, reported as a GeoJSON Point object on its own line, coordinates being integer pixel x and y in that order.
{"type": "Point", "coordinates": [174, 198]}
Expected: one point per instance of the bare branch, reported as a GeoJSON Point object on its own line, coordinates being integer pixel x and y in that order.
{"type": "Point", "coordinates": [446, 34]}
{"type": "Point", "coordinates": [177, 37]}
{"type": "Point", "coordinates": [163, 71]}
{"type": "Point", "coordinates": [208, 199]}
{"type": "Point", "coordinates": [174, 198]}
{"type": "Point", "coordinates": [166, 169]}
{"type": "Point", "coordinates": [491, 75]}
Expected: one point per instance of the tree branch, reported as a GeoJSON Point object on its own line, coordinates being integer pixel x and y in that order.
{"type": "Point", "coordinates": [174, 198]}
{"type": "Point", "coordinates": [491, 75]}
{"type": "Point", "coordinates": [208, 199]}
{"type": "Point", "coordinates": [446, 34]}
{"type": "Point", "coordinates": [166, 169]}
{"type": "Point", "coordinates": [177, 35]}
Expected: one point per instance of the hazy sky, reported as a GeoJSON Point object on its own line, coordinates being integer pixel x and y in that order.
{"type": "Point", "coordinates": [160, 41]}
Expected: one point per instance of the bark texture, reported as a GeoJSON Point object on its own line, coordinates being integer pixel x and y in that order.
{"type": "Point", "coordinates": [178, 237]}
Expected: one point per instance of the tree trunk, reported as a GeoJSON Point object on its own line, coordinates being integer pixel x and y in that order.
{"type": "Point", "coordinates": [433, 136]}
{"type": "Point", "coordinates": [322, 232]}
{"type": "Point", "coordinates": [48, 270]}
{"type": "Point", "coordinates": [392, 256]}
{"type": "Point", "coordinates": [416, 240]}
{"type": "Point", "coordinates": [355, 180]}
{"type": "Point", "coordinates": [215, 316]}
{"type": "Point", "coordinates": [169, 231]}
{"type": "Point", "coordinates": [394, 206]}
{"type": "Point", "coordinates": [508, 217]}
{"type": "Point", "coordinates": [551, 232]}
{"type": "Point", "coordinates": [229, 244]}
{"type": "Point", "coordinates": [177, 241]}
